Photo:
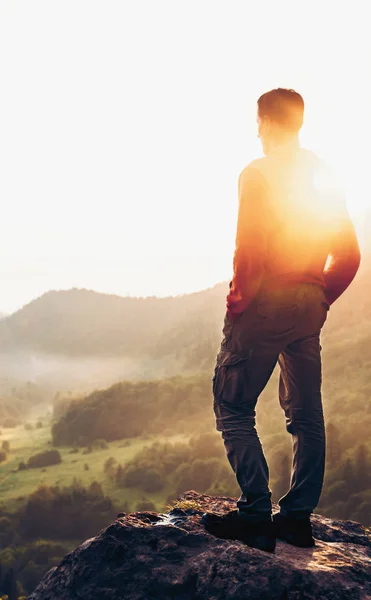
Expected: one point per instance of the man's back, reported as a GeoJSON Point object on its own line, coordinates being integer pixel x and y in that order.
{"type": "Point", "coordinates": [299, 228]}
{"type": "Point", "coordinates": [292, 216]}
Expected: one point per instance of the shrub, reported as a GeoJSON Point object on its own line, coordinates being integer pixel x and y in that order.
{"type": "Point", "coordinates": [185, 505]}
{"type": "Point", "coordinates": [110, 467]}
{"type": "Point", "coordinates": [28, 426]}
{"type": "Point", "coordinates": [153, 481]}
{"type": "Point", "coordinates": [10, 422]}
{"type": "Point", "coordinates": [95, 489]}
{"type": "Point", "coordinates": [39, 425]}
{"type": "Point", "coordinates": [200, 474]}
{"type": "Point", "coordinates": [22, 465]}
{"type": "Point", "coordinates": [148, 479]}
{"type": "Point", "coordinates": [131, 476]}
{"type": "Point", "coordinates": [69, 513]}
{"type": "Point", "coordinates": [81, 439]}
{"type": "Point", "coordinates": [44, 459]}
{"type": "Point", "coordinates": [206, 446]}
{"type": "Point", "coordinates": [3, 455]}
{"type": "Point", "coordinates": [119, 476]}
{"type": "Point", "coordinates": [5, 445]}
{"type": "Point", "coordinates": [145, 505]}
{"type": "Point", "coordinates": [100, 444]}
{"type": "Point", "coordinates": [6, 532]}
{"type": "Point", "coordinates": [125, 444]}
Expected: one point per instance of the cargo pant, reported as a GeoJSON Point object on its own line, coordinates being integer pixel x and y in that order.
{"type": "Point", "coordinates": [281, 325]}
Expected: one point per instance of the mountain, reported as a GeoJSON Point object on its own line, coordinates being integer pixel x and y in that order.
{"type": "Point", "coordinates": [80, 337]}
{"type": "Point", "coordinates": [83, 322]}
{"type": "Point", "coordinates": [87, 323]}
{"type": "Point", "coordinates": [146, 555]}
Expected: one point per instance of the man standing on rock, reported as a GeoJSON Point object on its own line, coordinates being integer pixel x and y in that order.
{"type": "Point", "coordinates": [292, 218]}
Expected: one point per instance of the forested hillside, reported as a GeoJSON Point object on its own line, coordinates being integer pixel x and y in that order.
{"type": "Point", "coordinates": [183, 404]}
{"type": "Point", "coordinates": [83, 322]}
{"type": "Point", "coordinates": [128, 409]}
{"type": "Point", "coordinates": [138, 441]}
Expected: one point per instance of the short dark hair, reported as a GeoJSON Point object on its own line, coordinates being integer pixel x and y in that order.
{"type": "Point", "coordinates": [283, 106]}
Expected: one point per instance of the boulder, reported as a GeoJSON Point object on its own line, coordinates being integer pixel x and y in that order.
{"type": "Point", "coordinates": [170, 556]}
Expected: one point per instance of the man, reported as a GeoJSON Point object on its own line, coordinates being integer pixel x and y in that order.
{"type": "Point", "coordinates": [292, 220]}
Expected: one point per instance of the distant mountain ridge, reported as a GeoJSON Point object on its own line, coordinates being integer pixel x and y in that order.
{"type": "Point", "coordinates": [80, 322]}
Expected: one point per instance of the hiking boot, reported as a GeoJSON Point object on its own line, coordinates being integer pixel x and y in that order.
{"type": "Point", "coordinates": [294, 531]}
{"type": "Point", "coordinates": [233, 526]}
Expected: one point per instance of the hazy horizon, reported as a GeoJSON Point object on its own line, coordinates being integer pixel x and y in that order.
{"type": "Point", "coordinates": [133, 295]}
{"type": "Point", "coordinates": [125, 126]}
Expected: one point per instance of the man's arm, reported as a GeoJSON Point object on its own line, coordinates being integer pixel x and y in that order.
{"type": "Point", "coordinates": [345, 256]}
{"type": "Point", "coordinates": [251, 240]}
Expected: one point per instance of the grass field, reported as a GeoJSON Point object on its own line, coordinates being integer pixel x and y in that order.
{"type": "Point", "coordinates": [16, 486]}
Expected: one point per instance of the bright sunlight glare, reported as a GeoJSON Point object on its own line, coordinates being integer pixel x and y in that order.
{"type": "Point", "coordinates": [124, 127]}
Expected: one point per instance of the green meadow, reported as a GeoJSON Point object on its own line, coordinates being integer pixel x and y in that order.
{"type": "Point", "coordinates": [85, 466]}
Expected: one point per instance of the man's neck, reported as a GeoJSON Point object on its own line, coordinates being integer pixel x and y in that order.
{"type": "Point", "coordinates": [285, 145]}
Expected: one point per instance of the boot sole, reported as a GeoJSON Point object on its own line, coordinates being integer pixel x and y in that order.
{"type": "Point", "coordinates": [261, 542]}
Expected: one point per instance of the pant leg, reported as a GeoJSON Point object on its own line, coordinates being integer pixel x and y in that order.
{"type": "Point", "coordinates": [249, 352]}
{"type": "Point", "coordinates": [237, 383]}
{"type": "Point", "coordinates": [300, 398]}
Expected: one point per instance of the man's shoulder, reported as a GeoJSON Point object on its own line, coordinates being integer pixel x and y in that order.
{"type": "Point", "coordinates": [254, 169]}
{"type": "Point", "coordinates": [265, 169]}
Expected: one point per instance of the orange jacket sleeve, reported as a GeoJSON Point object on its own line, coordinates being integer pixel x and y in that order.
{"type": "Point", "coordinates": [251, 240]}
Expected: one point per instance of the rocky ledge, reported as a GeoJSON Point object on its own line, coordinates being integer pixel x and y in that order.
{"type": "Point", "coordinates": [170, 556]}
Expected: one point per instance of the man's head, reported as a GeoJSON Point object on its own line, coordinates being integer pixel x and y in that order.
{"type": "Point", "coordinates": [280, 117]}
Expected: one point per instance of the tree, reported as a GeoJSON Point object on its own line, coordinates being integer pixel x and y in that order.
{"type": "Point", "coordinates": [144, 505]}
{"type": "Point", "coordinates": [95, 489]}
{"type": "Point", "coordinates": [152, 481]}
{"type": "Point", "coordinates": [333, 446]}
{"type": "Point", "coordinates": [5, 445]}
{"type": "Point", "coordinates": [119, 477]}
{"type": "Point", "coordinates": [110, 467]}
{"type": "Point", "coordinates": [7, 532]}
{"type": "Point", "coordinates": [9, 585]}
{"type": "Point", "coordinates": [361, 468]}
{"type": "Point", "coordinates": [347, 473]}
{"type": "Point", "coordinates": [44, 459]}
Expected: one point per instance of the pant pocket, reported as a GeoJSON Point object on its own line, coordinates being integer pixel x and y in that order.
{"type": "Point", "coordinates": [325, 307]}
{"type": "Point", "coordinates": [229, 383]}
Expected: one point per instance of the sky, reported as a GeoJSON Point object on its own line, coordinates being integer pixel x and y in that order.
{"type": "Point", "coordinates": [124, 126]}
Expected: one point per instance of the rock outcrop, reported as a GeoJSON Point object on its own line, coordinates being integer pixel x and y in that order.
{"type": "Point", "coordinates": [170, 556]}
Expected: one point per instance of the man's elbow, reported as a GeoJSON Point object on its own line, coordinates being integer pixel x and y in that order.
{"type": "Point", "coordinates": [352, 254]}
{"type": "Point", "coordinates": [353, 262]}
{"type": "Point", "coordinates": [356, 258]}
